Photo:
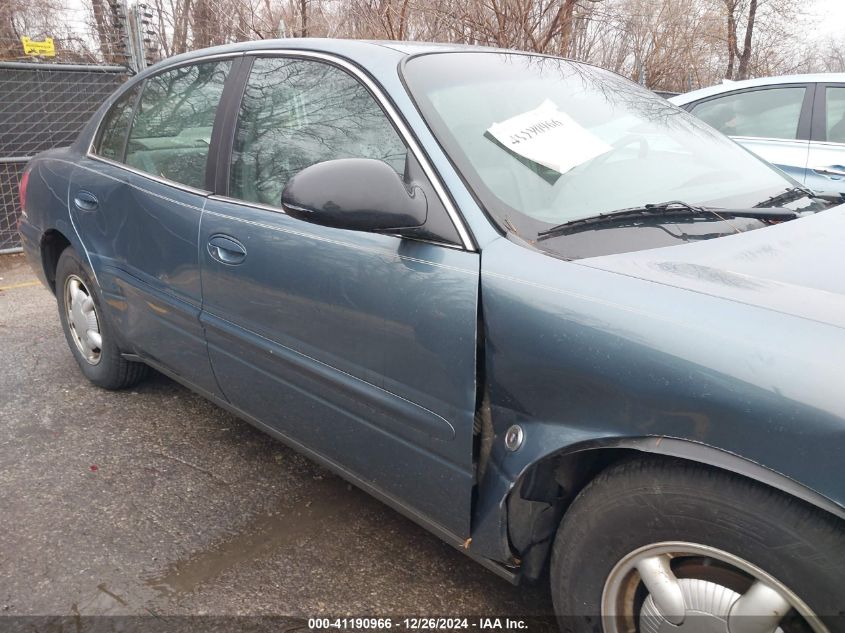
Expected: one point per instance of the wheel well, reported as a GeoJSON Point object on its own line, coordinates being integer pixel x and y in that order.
{"type": "Point", "coordinates": [545, 491]}
{"type": "Point", "coordinates": [539, 500]}
{"type": "Point", "coordinates": [52, 245]}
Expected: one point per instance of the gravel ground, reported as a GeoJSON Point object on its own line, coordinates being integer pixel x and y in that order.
{"type": "Point", "coordinates": [155, 501]}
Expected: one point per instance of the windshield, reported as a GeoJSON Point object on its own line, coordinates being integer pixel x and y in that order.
{"type": "Point", "coordinates": [544, 141]}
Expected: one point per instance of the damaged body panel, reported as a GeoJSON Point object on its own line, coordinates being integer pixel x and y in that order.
{"type": "Point", "coordinates": [585, 354]}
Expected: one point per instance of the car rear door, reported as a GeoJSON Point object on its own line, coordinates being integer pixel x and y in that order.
{"type": "Point", "coordinates": [771, 121]}
{"type": "Point", "coordinates": [136, 199]}
{"type": "Point", "coordinates": [357, 347]}
{"type": "Point", "coordinates": [826, 164]}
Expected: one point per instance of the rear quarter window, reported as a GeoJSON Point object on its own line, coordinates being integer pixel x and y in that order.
{"type": "Point", "coordinates": [111, 139]}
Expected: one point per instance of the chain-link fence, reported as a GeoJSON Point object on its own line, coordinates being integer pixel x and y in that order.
{"type": "Point", "coordinates": [42, 106]}
{"type": "Point", "coordinates": [10, 175]}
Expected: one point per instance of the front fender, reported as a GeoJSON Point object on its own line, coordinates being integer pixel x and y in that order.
{"type": "Point", "coordinates": [582, 358]}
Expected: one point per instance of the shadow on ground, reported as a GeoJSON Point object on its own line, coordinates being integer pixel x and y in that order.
{"type": "Point", "coordinates": [154, 501]}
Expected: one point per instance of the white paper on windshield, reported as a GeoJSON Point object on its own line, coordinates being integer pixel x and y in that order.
{"type": "Point", "coordinates": [549, 137]}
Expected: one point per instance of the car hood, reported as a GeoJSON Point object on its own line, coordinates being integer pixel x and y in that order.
{"type": "Point", "coordinates": [796, 267]}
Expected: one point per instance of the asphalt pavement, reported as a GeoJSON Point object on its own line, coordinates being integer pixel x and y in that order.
{"type": "Point", "coordinates": [155, 502]}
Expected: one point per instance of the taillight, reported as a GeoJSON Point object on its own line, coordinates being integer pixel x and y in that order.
{"type": "Point", "coordinates": [22, 188]}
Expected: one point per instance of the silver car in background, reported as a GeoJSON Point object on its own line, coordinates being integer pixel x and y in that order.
{"type": "Point", "coordinates": [796, 122]}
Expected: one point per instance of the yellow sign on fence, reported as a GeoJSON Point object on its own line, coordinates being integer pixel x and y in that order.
{"type": "Point", "coordinates": [42, 49]}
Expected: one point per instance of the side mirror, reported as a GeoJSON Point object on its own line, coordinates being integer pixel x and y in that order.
{"type": "Point", "coordinates": [360, 194]}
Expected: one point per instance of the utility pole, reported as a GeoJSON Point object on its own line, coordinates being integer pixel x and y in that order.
{"type": "Point", "coordinates": [140, 36]}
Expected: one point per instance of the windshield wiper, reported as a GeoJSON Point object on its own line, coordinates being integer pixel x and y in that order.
{"type": "Point", "coordinates": [796, 193]}
{"type": "Point", "coordinates": [671, 209]}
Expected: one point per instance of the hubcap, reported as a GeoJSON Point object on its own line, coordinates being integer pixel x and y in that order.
{"type": "Point", "coordinates": [82, 319]}
{"type": "Point", "coordinates": [688, 588]}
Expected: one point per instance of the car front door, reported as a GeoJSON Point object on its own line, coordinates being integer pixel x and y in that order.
{"type": "Point", "coordinates": [773, 122]}
{"type": "Point", "coordinates": [826, 164]}
{"type": "Point", "coordinates": [137, 199]}
{"type": "Point", "coordinates": [357, 347]}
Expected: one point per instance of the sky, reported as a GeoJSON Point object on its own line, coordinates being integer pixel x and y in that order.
{"type": "Point", "coordinates": [829, 16]}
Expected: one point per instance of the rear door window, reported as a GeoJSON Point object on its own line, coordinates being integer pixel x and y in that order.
{"type": "Point", "coordinates": [171, 133]}
{"type": "Point", "coordinates": [769, 113]}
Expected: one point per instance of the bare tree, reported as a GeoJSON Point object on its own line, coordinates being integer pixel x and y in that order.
{"type": "Point", "coordinates": [733, 10]}
{"type": "Point", "coordinates": [668, 44]}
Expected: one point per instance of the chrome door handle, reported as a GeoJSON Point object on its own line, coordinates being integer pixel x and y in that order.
{"type": "Point", "coordinates": [226, 250]}
{"type": "Point", "coordinates": [832, 171]}
{"type": "Point", "coordinates": [85, 201]}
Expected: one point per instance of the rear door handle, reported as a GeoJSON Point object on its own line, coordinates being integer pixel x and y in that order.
{"type": "Point", "coordinates": [226, 250]}
{"type": "Point", "coordinates": [85, 201]}
{"type": "Point", "coordinates": [832, 171]}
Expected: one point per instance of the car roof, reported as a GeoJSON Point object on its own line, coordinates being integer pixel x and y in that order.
{"type": "Point", "coordinates": [354, 49]}
{"type": "Point", "coordinates": [730, 86]}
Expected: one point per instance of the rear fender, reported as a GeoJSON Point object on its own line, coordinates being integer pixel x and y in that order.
{"type": "Point", "coordinates": [46, 220]}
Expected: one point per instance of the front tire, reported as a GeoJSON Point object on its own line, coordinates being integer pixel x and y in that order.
{"type": "Point", "coordinates": [658, 545]}
{"type": "Point", "coordinates": [87, 332]}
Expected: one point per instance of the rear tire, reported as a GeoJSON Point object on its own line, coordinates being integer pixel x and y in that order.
{"type": "Point", "coordinates": [88, 333]}
{"type": "Point", "coordinates": [711, 534]}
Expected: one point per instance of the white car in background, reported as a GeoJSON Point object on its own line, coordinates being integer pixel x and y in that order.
{"type": "Point", "coordinates": [796, 122]}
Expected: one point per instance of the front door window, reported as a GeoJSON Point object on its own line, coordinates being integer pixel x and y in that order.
{"type": "Point", "coordinates": [769, 113]}
{"type": "Point", "coordinates": [296, 113]}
